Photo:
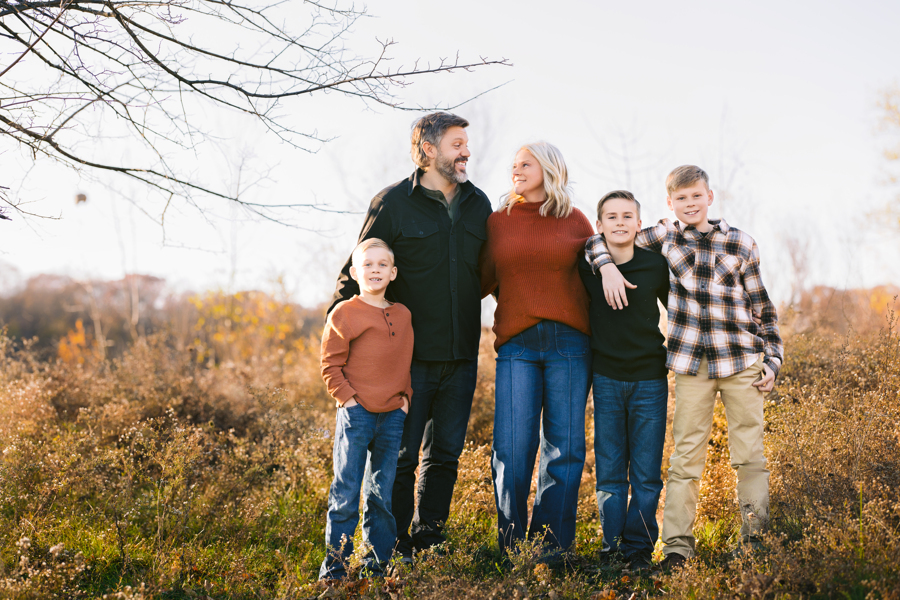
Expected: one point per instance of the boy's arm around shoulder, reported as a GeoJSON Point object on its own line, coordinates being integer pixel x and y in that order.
{"type": "Point", "coordinates": [335, 351]}
{"type": "Point", "coordinates": [378, 224]}
{"type": "Point", "coordinates": [761, 304]}
{"type": "Point", "coordinates": [614, 284]}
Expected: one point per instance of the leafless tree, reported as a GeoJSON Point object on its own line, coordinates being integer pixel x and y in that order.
{"type": "Point", "coordinates": [3, 199]}
{"type": "Point", "coordinates": [89, 81]}
{"type": "Point", "coordinates": [627, 160]}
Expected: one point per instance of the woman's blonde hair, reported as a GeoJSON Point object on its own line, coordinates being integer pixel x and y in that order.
{"type": "Point", "coordinates": [556, 182]}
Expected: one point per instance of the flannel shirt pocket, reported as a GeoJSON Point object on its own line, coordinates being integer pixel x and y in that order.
{"type": "Point", "coordinates": [681, 261]}
{"type": "Point", "coordinates": [728, 270]}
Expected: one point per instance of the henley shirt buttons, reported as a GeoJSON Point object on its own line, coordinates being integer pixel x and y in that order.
{"type": "Point", "coordinates": [392, 333]}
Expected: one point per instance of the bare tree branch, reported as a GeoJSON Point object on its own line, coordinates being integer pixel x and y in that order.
{"type": "Point", "coordinates": [103, 76]}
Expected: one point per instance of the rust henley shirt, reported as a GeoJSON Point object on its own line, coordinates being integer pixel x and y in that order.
{"type": "Point", "coordinates": [367, 352]}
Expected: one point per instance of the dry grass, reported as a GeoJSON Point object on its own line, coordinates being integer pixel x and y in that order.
{"type": "Point", "coordinates": [200, 469]}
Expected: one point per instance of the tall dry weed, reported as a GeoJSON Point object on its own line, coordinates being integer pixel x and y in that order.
{"type": "Point", "coordinates": [174, 468]}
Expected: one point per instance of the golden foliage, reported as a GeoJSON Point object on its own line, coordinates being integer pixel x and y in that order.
{"type": "Point", "coordinates": [73, 348]}
{"type": "Point", "coordinates": [240, 326]}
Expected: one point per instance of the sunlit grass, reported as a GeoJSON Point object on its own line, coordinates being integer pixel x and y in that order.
{"type": "Point", "coordinates": [149, 476]}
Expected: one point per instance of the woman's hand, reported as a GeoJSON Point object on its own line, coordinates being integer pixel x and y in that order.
{"type": "Point", "coordinates": [405, 407]}
{"type": "Point", "coordinates": [614, 285]}
{"type": "Point", "coordinates": [350, 403]}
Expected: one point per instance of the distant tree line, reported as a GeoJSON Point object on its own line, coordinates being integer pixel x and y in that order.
{"type": "Point", "coordinates": [113, 314]}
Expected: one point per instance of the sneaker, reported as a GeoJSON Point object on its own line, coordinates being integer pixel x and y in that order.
{"type": "Point", "coordinates": [672, 561]}
{"type": "Point", "coordinates": [640, 560]}
{"type": "Point", "coordinates": [437, 550]}
{"type": "Point", "coordinates": [372, 569]}
{"type": "Point", "coordinates": [400, 564]}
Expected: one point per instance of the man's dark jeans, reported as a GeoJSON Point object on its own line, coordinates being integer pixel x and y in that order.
{"type": "Point", "coordinates": [437, 421]}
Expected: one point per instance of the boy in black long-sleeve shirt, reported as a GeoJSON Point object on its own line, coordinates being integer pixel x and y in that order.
{"type": "Point", "coordinates": [630, 386]}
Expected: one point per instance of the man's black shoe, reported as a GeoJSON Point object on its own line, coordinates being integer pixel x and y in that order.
{"type": "Point", "coordinates": [640, 560]}
{"type": "Point", "coordinates": [612, 557]}
{"type": "Point", "coordinates": [672, 561]}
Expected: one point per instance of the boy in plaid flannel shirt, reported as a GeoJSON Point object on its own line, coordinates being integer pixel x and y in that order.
{"type": "Point", "coordinates": [714, 345]}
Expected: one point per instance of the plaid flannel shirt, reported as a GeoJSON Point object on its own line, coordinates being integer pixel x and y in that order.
{"type": "Point", "coordinates": [715, 286]}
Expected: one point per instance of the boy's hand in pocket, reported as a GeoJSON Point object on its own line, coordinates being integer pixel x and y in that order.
{"type": "Point", "coordinates": [766, 381]}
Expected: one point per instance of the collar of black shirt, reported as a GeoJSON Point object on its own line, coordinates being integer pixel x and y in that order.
{"type": "Point", "coordinates": [465, 188]}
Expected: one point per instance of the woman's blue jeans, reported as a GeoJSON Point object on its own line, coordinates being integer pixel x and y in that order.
{"type": "Point", "coordinates": [543, 377]}
{"type": "Point", "coordinates": [629, 434]}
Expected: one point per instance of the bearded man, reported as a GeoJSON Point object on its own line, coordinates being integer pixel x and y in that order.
{"type": "Point", "coordinates": [435, 223]}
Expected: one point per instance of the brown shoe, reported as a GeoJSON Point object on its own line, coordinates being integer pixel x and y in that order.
{"type": "Point", "coordinates": [672, 561]}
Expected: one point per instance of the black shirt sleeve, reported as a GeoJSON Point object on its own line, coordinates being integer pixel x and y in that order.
{"type": "Point", "coordinates": [662, 290]}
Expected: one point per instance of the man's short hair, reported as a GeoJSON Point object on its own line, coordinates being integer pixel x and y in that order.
{"type": "Point", "coordinates": [624, 195]}
{"type": "Point", "coordinates": [685, 176]}
{"type": "Point", "coordinates": [431, 128]}
{"type": "Point", "coordinates": [365, 245]}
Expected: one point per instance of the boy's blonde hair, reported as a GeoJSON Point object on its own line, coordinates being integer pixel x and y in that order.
{"type": "Point", "coordinates": [620, 194]}
{"type": "Point", "coordinates": [685, 176]}
{"type": "Point", "coordinates": [364, 245]}
{"type": "Point", "coordinates": [556, 182]}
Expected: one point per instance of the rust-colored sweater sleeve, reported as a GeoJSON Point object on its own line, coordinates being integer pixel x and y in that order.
{"type": "Point", "coordinates": [336, 340]}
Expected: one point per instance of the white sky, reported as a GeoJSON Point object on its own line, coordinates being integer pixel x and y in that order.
{"type": "Point", "coordinates": [776, 100]}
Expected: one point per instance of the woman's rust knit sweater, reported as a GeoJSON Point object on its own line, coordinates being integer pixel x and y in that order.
{"type": "Point", "coordinates": [533, 263]}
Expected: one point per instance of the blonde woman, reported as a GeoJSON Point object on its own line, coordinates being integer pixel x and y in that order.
{"type": "Point", "coordinates": [535, 240]}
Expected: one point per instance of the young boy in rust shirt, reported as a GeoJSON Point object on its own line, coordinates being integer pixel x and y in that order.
{"type": "Point", "coordinates": [367, 349]}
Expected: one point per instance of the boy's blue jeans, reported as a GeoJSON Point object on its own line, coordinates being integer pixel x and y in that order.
{"type": "Point", "coordinates": [543, 377]}
{"type": "Point", "coordinates": [365, 453]}
{"type": "Point", "coordinates": [629, 434]}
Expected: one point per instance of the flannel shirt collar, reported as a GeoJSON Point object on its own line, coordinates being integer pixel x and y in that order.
{"type": "Point", "coordinates": [692, 233]}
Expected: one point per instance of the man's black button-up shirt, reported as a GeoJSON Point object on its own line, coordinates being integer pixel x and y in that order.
{"type": "Point", "coordinates": [437, 265]}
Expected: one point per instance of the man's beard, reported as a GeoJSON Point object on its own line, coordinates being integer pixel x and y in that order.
{"type": "Point", "coordinates": [447, 168]}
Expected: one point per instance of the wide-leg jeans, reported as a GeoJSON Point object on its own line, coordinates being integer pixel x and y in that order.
{"type": "Point", "coordinates": [542, 382]}
{"type": "Point", "coordinates": [365, 455]}
{"type": "Point", "coordinates": [629, 435]}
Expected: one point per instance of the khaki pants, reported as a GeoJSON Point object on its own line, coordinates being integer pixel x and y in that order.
{"type": "Point", "coordinates": [695, 398]}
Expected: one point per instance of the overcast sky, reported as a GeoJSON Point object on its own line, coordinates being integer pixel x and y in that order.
{"type": "Point", "coordinates": [776, 100]}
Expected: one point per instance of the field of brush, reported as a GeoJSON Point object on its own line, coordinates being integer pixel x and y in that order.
{"type": "Point", "coordinates": [191, 458]}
